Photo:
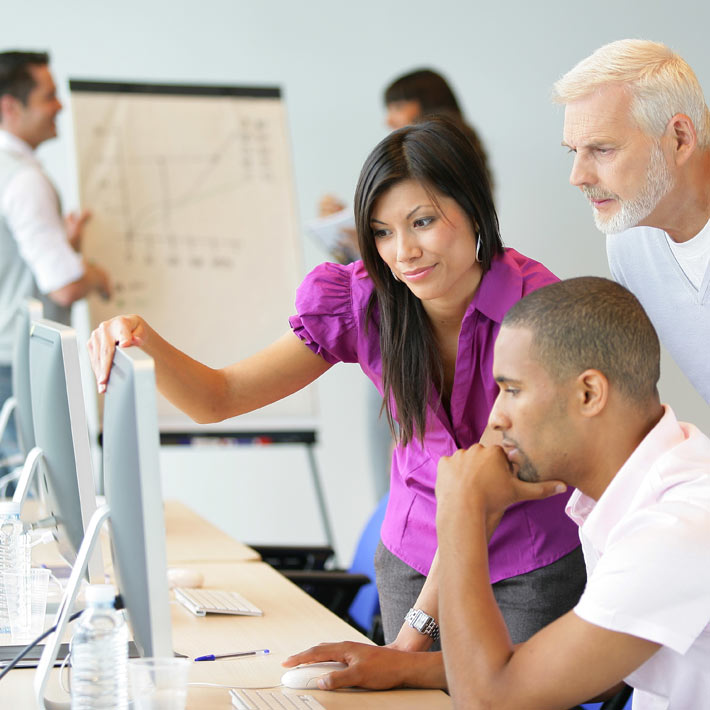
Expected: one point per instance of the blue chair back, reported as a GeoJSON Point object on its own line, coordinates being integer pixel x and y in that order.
{"type": "Point", "coordinates": [601, 706]}
{"type": "Point", "coordinates": [366, 603]}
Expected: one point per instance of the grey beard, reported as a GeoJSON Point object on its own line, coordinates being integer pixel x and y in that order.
{"type": "Point", "coordinates": [659, 183]}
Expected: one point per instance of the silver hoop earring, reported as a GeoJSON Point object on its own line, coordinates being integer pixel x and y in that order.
{"type": "Point", "coordinates": [394, 276]}
{"type": "Point", "coordinates": [478, 247]}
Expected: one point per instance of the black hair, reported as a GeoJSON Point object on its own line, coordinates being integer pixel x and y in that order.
{"type": "Point", "coordinates": [15, 76]}
{"type": "Point", "coordinates": [427, 87]}
{"type": "Point", "coordinates": [435, 97]}
{"type": "Point", "coordinates": [436, 154]}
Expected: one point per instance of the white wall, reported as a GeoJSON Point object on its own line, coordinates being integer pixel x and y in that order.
{"type": "Point", "coordinates": [332, 59]}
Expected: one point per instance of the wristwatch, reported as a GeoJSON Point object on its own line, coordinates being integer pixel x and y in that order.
{"type": "Point", "coordinates": [423, 623]}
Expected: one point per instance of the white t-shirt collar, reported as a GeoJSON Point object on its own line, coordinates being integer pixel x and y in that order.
{"type": "Point", "coordinates": [695, 246]}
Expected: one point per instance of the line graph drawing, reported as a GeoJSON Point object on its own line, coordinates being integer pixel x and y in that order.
{"type": "Point", "coordinates": [146, 196]}
{"type": "Point", "coordinates": [193, 214]}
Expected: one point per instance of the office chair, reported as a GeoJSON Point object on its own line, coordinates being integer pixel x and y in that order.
{"type": "Point", "coordinates": [621, 701]}
{"type": "Point", "coordinates": [365, 608]}
{"type": "Point", "coordinates": [351, 594]}
{"type": "Point", "coordinates": [289, 557]}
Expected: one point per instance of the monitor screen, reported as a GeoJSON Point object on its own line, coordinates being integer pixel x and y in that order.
{"type": "Point", "coordinates": [30, 310]}
{"type": "Point", "coordinates": [66, 480]}
{"type": "Point", "coordinates": [131, 444]}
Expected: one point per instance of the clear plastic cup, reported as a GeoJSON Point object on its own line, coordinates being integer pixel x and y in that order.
{"type": "Point", "coordinates": [158, 683]}
{"type": "Point", "coordinates": [27, 603]}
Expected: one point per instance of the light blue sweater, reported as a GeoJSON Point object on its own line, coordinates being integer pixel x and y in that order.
{"type": "Point", "coordinates": [641, 260]}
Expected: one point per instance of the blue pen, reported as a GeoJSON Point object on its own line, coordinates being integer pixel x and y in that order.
{"type": "Point", "coordinates": [241, 654]}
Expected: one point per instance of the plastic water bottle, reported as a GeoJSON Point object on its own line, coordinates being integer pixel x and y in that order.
{"type": "Point", "coordinates": [14, 557]}
{"type": "Point", "coordinates": [99, 654]}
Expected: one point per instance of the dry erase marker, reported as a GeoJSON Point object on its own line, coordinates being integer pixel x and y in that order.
{"type": "Point", "coordinates": [241, 654]}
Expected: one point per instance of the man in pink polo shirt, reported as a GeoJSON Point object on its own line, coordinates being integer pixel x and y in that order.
{"type": "Point", "coordinates": [577, 364]}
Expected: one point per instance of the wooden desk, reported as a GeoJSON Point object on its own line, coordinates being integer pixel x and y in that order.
{"type": "Point", "coordinates": [188, 538]}
{"type": "Point", "coordinates": [191, 538]}
{"type": "Point", "coordinates": [292, 621]}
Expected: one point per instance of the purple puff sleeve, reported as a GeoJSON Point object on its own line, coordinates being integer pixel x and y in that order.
{"type": "Point", "coordinates": [325, 319]}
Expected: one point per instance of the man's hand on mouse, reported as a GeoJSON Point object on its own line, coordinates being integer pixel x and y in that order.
{"type": "Point", "coordinates": [369, 666]}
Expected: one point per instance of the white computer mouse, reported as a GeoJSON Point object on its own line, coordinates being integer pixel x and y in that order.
{"type": "Point", "coordinates": [183, 577]}
{"type": "Point", "coordinates": [306, 677]}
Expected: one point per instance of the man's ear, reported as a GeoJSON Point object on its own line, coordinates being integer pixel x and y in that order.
{"type": "Point", "coordinates": [592, 393]}
{"type": "Point", "coordinates": [8, 107]}
{"type": "Point", "coordinates": [683, 138]}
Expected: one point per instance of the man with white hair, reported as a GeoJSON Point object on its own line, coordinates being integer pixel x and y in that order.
{"type": "Point", "coordinates": [638, 124]}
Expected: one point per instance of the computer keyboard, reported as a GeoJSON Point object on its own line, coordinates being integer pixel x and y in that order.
{"type": "Point", "coordinates": [243, 699]}
{"type": "Point", "coordinates": [215, 601]}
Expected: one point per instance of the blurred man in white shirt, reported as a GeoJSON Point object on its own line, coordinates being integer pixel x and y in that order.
{"type": "Point", "coordinates": [39, 249]}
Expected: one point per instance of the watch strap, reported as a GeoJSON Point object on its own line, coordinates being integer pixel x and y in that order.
{"type": "Point", "coordinates": [423, 623]}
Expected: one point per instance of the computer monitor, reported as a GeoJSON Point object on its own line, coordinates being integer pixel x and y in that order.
{"type": "Point", "coordinates": [66, 480]}
{"type": "Point", "coordinates": [134, 509]}
{"type": "Point", "coordinates": [30, 310]}
{"type": "Point", "coordinates": [131, 443]}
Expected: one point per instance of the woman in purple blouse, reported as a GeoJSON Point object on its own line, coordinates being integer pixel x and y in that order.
{"type": "Point", "coordinates": [420, 314]}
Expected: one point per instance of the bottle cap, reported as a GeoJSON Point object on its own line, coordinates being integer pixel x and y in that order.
{"type": "Point", "coordinates": [8, 507]}
{"type": "Point", "coordinates": [100, 594]}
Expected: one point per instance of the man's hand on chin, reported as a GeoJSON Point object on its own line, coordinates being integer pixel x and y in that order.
{"type": "Point", "coordinates": [481, 481]}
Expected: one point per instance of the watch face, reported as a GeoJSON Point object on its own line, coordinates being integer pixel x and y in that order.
{"type": "Point", "coordinates": [423, 623]}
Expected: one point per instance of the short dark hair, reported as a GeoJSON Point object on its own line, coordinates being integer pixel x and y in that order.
{"type": "Point", "coordinates": [436, 154]}
{"type": "Point", "coordinates": [435, 97]}
{"type": "Point", "coordinates": [427, 87]}
{"type": "Point", "coordinates": [591, 322]}
{"type": "Point", "coordinates": [15, 76]}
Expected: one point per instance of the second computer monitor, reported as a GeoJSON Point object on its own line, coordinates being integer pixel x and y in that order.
{"type": "Point", "coordinates": [66, 478]}
{"type": "Point", "coordinates": [131, 444]}
{"type": "Point", "coordinates": [30, 310]}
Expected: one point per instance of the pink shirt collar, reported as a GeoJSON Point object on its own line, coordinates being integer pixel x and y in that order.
{"type": "Point", "coordinates": [631, 487]}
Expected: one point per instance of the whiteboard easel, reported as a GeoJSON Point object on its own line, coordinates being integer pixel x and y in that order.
{"type": "Point", "coordinates": [193, 213]}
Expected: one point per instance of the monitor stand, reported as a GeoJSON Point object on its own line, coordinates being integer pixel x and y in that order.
{"type": "Point", "coordinates": [32, 463]}
{"type": "Point", "coordinates": [51, 649]}
{"type": "Point", "coordinates": [6, 412]}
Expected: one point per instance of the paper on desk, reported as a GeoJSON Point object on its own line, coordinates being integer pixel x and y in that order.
{"type": "Point", "coordinates": [328, 230]}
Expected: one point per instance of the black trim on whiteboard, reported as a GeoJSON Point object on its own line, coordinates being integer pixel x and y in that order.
{"type": "Point", "coordinates": [240, 438]}
{"type": "Point", "coordinates": [127, 87]}
{"type": "Point", "coordinates": [177, 438]}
